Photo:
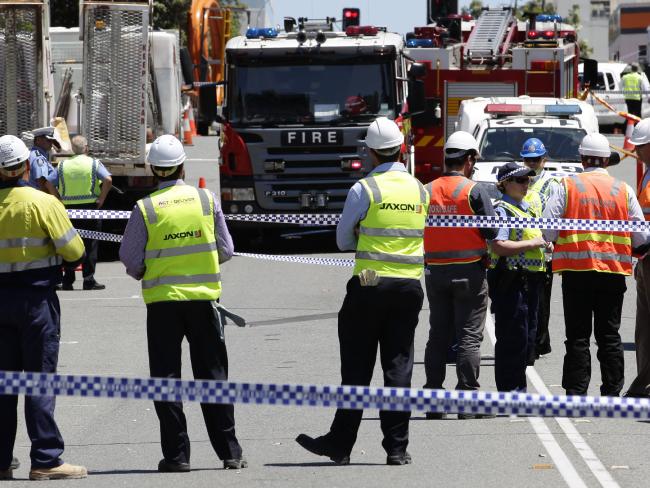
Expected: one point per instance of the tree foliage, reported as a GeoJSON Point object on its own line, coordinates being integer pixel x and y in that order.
{"type": "Point", "coordinates": [573, 18]}
{"type": "Point", "coordinates": [475, 8]}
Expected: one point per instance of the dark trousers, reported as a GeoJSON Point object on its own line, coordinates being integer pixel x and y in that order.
{"type": "Point", "coordinates": [458, 299]}
{"type": "Point", "coordinates": [634, 107]}
{"type": "Point", "coordinates": [641, 384]}
{"type": "Point", "coordinates": [587, 295]}
{"type": "Point", "coordinates": [385, 315]}
{"type": "Point", "coordinates": [29, 341]}
{"type": "Point", "coordinates": [543, 343]}
{"type": "Point", "coordinates": [167, 324]}
{"type": "Point", "coordinates": [90, 260]}
{"type": "Point", "coordinates": [515, 308]}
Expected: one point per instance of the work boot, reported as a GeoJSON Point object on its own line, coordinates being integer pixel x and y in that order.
{"type": "Point", "coordinates": [93, 285]}
{"type": "Point", "coordinates": [472, 416]}
{"type": "Point", "coordinates": [6, 474]}
{"type": "Point", "coordinates": [15, 464]}
{"type": "Point", "coordinates": [436, 415]}
{"type": "Point", "coordinates": [321, 447]}
{"type": "Point", "coordinates": [165, 466]}
{"type": "Point", "coordinates": [64, 472]}
{"type": "Point", "coordinates": [235, 463]}
{"type": "Point", "coordinates": [399, 459]}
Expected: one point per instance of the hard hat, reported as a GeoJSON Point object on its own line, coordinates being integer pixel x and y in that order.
{"type": "Point", "coordinates": [461, 142]}
{"type": "Point", "coordinates": [13, 151]}
{"type": "Point", "coordinates": [641, 133]}
{"type": "Point", "coordinates": [383, 133]}
{"type": "Point", "coordinates": [595, 145]}
{"type": "Point", "coordinates": [532, 148]}
{"type": "Point", "coordinates": [166, 152]}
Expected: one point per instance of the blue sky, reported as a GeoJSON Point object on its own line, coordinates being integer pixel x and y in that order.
{"type": "Point", "coordinates": [398, 15]}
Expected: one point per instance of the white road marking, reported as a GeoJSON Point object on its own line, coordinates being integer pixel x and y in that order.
{"type": "Point", "coordinates": [97, 298]}
{"type": "Point", "coordinates": [68, 342]}
{"type": "Point", "coordinates": [559, 457]}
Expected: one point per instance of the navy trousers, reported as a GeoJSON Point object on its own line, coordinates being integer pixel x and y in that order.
{"type": "Point", "coordinates": [29, 341]}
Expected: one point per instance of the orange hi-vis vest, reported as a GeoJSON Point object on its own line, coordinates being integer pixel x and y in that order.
{"type": "Point", "coordinates": [644, 198]}
{"type": "Point", "coordinates": [452, 245]}
{"type": "Point", "coordinates": [594, 196]}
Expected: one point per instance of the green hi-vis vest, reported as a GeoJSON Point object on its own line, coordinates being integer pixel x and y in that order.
{"type": "Point", "coordinates": [531, 260]}
{"type": "Point", "coordinates": [632, 86]}
{"type": "Point", "coordinates": [78, 182]}
{"type": "Point", "coordinates": [181, 258]}
{"type": "Point", "coordinates": [391, 235]}
{"type": "Point", "coordinates": [539, 190]}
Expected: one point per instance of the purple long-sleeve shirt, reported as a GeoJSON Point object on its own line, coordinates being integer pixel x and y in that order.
{"type": "Point", "coordinates": [135, 237]}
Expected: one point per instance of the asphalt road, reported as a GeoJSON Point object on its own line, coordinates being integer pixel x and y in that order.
{"type": "Point", "coordinates": [292, 310]}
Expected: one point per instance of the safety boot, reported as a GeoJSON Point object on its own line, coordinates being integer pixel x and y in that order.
{"type": "Point", "coordinates": [63, 472]}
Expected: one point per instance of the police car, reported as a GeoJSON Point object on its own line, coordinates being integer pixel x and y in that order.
{"type": "Point", "coordinates": [502, 124]}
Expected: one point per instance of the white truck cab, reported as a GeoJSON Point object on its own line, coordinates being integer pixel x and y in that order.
{"type": "Point", "coordinates": [502, 124]}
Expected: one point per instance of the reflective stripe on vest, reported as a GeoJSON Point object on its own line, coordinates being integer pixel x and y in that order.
{"type": "Point", "coordinates": [390, 236]}
{"type": "Point", "coordinates": [47, 262]}
{"type": "Point", "coordinates": [532, 259]}
{"type": "Point", "coordinates": [644, 198]}
{"type": "Point", "coordinates": [181, 256]}
{"type": "Point", "coordinates": [632, 86]}
{"type": "Point", "coordinates": [541, 187]}
{"type": "Point", "coordinates": [24, 242]}
{"type": "Point", "coordinates": [78, 180]}
{"type": "Point", "coordinates": [594, 196]}
{"type": "Point", "coordinates": [449, 245]}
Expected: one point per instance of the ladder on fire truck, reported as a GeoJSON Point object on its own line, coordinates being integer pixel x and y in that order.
{"type": "Point", "coordinates": [488, 35]}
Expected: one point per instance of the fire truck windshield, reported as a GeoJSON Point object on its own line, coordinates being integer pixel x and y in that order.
{"type": "Point", "coordinates": [310, 94]}
{"type": "Point", "coordinates": [504, 144]}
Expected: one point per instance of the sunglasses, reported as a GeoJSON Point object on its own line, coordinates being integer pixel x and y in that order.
{"type": "Point", "coordinates": [533, 160]}
{"type": "Point", "coordinates": [521, 179]}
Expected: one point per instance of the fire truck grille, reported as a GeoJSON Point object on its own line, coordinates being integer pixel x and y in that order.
{"type": "Point", "coordinates": [115, 77]}
{"type": "Point", "coordinates": [20, 86]}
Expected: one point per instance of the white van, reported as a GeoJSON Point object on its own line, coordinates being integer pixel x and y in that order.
{"type": "Point", "coordinates": [502, 124]}
{"type": "Point", "coordinates": [608, 87]}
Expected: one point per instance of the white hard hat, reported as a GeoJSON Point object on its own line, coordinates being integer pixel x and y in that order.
{"type": "Point", "coordinates": [13, 151]}
{"type": "Point", "coordinates": [595, 145]}
{"type": "Point", "coordinates": [383, 133]}
{"type": "Point", "coordinates": [166, 152]}
{"type": "Point", "coordinates": [641, 133]}
{"type": "Point", "coordinates": [462, 142]}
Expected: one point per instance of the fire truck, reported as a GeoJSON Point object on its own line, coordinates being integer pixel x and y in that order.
{"type": "Point", "coordinates": [297, 106]}
{"type": "Point", "coordinates": [495, 55]}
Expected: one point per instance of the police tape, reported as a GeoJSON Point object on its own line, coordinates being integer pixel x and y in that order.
{"type": "Point", "coordinates": [458, 221]}
{"type": "Point", "coordinates": [306, 395]}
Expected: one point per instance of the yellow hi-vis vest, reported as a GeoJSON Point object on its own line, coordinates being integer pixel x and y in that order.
{"type": "Point", "coordinates": [539, 190]}
{"type": "Point", "coordinates": [391, 235]}
{"type": "Point", "coordinates": [78, 182]}
{"type": "Point", "coordinates": [181, 258]}
{"type": "Point", "coordinates": [530, 260]}
{"type": "Point", "coordinates": [632, 86]}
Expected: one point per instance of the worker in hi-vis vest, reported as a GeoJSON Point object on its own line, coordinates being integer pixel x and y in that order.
{"type": "Point", "coordinates": [174, 243]}
{"type": "Point", "coordinates": [634, 86]}
{"type": "Point", "coordinates": [383, 220]}
{"type": "Point", "coordinates": [84, 183]}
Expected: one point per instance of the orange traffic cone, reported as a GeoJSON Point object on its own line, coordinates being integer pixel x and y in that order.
{"type": "Point", "coordinates": [192, 123]}
{"type": "Point", "coordinates": [187, 131]}
{"type": "Point", "coordinates": [201, 182]}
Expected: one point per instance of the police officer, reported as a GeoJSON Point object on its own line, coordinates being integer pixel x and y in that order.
{"type": "Point", "coordinates": [42, 174]}
{"type": "Point", "coordinates": [455, 270]}
{"type": "Point", "coordinates": [593, 266]}
{"type": "Point", "coordinates": [36, 236]}
{"type": "Point", "coordinates": [640, 387]}
{"type": "Point", "coordinates": [516, 274]}
{"type": "Point", "coordinates": [634, 85]}
{"type": "Point", "coordinates": [542, 186]}
{"type": "Point", "coordinates": [383, 220]}
{"type": "Point", "coordinates": [80, 180]}
{"type": "Point", "coordinates": [174, 242]}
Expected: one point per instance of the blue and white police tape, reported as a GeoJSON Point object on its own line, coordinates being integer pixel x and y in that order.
{"type": "Point", "coordinates": [458, 221]}
{"type": "Point", "coordinates": [348, 397]}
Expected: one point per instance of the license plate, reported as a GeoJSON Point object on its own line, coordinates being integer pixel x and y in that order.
{"type": "Point", "coordinates": [312, 138]}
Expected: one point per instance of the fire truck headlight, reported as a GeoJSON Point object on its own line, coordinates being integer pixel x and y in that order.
{"type": "Point", "coordinates": [243, 194]}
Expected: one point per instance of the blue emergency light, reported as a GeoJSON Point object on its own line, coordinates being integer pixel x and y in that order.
{"type": "Point", "coordinates": [563, 109]}
{"type": "Point", "coordinates": [419, 43]}
{"type": "Point", "coordinates": [549, 18]}
{"type": "Point", "coordinates": [264, 32]}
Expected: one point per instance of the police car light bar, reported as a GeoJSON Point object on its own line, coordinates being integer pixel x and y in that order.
{"type": "Point", "coordinates": [517, 109]}
{"type": "Point", "coordinates": [265, 32]}
{"type": "Point", "coordinates": [419, 43]}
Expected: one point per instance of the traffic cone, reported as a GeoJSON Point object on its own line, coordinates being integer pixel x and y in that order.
{"type": "Point", "coordinates": [192, 123]}
{"type": "Point", "coordinates": [628, 133]}
{"type": "Point", "coordinates": [187, 131]}
{"type": "Point", "coordinates": [201, 182]}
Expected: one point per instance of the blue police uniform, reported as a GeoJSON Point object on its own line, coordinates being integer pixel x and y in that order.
{"type": "Point", "coordinates": [40, 167]}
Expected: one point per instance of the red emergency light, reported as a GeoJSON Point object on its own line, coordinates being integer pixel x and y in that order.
{"type": "Point", "coordinates": [502, 108]}
{"type": "Point", "coordinates": [547, 34]}
{"type": "Point", "coordinates": [361, 30]}
{"type": "Point", "coordinates": [350, 13]}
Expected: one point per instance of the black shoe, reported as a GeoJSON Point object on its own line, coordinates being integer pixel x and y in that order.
{"type": "Point", "coordinates": [471, 416]}
{"type": "Point", "coordinates": [436, 415]}
{"type": "Point", "coordinates": [67, 287]}
{"type": "Point", "coordinates": [399, 459]}
{"type": "Point", "coordinates": [320, 447]}
{"type": "Point", "coordinates": [94, 286]}
{"type": "Point", "coordinates": [235, 463]}
{"type": "Point", "coordinates": [165, 466]}
{"type": "Point", "coordinates": [630, 394]}
{"type": "Point", "coordinates": [15, 464]}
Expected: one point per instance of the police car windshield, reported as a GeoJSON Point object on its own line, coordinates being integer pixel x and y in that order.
{"type": "Point", "coordinates": [314, 94]}
{"type": "Point", "coordinates": [504, 143]}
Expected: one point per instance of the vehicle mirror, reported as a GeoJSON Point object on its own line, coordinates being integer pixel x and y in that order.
{"type": "Point", "coordinates": [416, 99]}
{"type": "Point", "coordinates": [590, 72]}
{"type": "Point", "coordinates": [614, 159]}
{"type": "Point", "coordinates": [416, 70]}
